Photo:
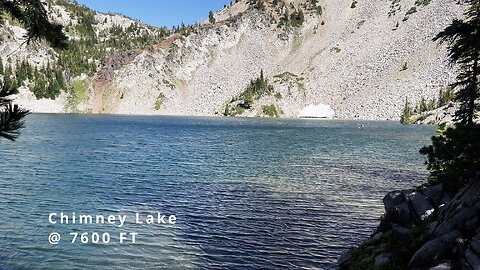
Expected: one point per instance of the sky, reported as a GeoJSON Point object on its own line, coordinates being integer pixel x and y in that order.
{"type": "Point", "coordinates": [159, 12]}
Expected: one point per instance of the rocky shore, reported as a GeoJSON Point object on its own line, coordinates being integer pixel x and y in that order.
{"type": "Point", "coordinates": [424, 228]}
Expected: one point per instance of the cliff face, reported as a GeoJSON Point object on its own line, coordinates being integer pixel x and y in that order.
{"type": "Point", "coordinates": [361, 58]}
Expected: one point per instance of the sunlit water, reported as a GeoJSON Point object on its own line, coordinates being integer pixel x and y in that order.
{"type": "Point", "coordinates": [247, 193]}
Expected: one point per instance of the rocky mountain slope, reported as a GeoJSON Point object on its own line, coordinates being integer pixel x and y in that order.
{"type": "Point", "coordinates": [362, 58]}
{"type": "Point", "coordinates": [92, 37]}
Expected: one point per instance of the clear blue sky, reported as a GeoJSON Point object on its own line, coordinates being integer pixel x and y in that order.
{"type": "Point", "coordinates": [159, 12]}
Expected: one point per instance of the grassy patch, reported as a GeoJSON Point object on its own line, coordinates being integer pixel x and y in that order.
{"type": "Point", "coordinates": [159, 102]}
{"type": "Point", "coordinates": [79, 94]}
{"type": "Point", "coordinates": [271, 110]}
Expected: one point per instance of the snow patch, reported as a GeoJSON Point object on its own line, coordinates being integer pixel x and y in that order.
{"type": "Point", "coordinates": [317, 111]}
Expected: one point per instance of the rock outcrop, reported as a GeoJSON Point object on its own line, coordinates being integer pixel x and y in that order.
{"type": "Point", "coordinates": [430, 229]}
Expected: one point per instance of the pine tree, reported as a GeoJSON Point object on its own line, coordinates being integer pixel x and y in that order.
{"type": "Point", "coordinates": [297, 18]}
{"type": "Point", "coordinates": [463, 38]}
{"type": "Point", "coordinates": [60, 79]}
{"type": "Point", "coordinates": [407, 112]}
{"type": "Point", "coordinates": [211, 17]}
{"type": "Point", "coordinates": [33, 15]}
{"type": "Point", "coordinates": [453, 157]}
{"type": "Point", "coordinates": [422, 107]}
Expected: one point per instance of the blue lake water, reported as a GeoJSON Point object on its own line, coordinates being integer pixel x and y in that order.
{"type": "Point", "coordinates": [247, 193]}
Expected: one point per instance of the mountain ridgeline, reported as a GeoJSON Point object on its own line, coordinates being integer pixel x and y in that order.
{"type": "Point", "coordinates": [252, 58]}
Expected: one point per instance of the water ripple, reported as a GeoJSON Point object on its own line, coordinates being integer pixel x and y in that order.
{"type": "Point", "coordinates": [247, 193]}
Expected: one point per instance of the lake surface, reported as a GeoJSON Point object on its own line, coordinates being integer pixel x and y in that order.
{"type": "Point", "coordinates": [247, 193]}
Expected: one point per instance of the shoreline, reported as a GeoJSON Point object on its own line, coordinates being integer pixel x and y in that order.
{"type": "Point", "coordinates": [426, 227]}
{"type": "Point", "coordinates": [225, 117]}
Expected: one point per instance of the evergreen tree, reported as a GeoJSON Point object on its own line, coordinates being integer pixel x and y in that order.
{"type": "Point", "coordinates": [211, 17]}
{"type": "Point", "coordinates": [432, 104]}
{"type": "Point", "coordinates": [407, 112]}
{"type": "Point", "coordinates": [9, 81]}
{"type": "Point", "coordinates": [60, 79]}
{"type": "Point", "coordinates": [33, 15]}
{"type": "Point", "coordinates": [297, 18]}
{"type": "Point", "coordinates": [453, 157]}
{"type": "Point", "coordinates": [422, 107]}
{"type": "Point", "coordinates": [463, 37]}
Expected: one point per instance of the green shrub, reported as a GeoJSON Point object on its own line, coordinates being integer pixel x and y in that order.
{"type": "Point", "coordinates": [411, 11]}
{"type": "Point", "coordinates": [159, 102]}
{"type": "Point", "coordinates": [297, 18]}
{"type": "Point", "coordinates": [422, 2]}
{"type": "Point", "coordinates": [402, 248]}
{"type": "Point", "coordinates": [79, 91]}
{"type": "Point", "coordinates": [271, 110]}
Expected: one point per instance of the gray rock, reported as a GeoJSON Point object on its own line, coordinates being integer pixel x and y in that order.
{"type": "Point", "coordinates": [402, 231]}
{"type": "Point", "coordinates": [434, 250]}
{"type": "Point", "coordinates": [472, 259]}
{"type": "Point", "coordinates": [457, 220]}
{"type": "Point", "coordinates": [403, 216]}
{"type": "Point", "coordinates": [344, 260]}
{"type": "Point", "coordinates": [393, 199]}
{"type": "Point", "coordinates": [443, 266]}
{"type": "Point", "coordinates": [432, 226]}
{"type": "Point", "coordinates": [434, 193]}
{"type": "Point", "coordinates": [477, 205]}
{"type": "Point", "coordinates": [382, 259]}
{"type": "Point", "coordinates": [475, 243]}
{"type": "Point", "coordinates": [446, 198]}
{"type": "Point", "coordinates": [377, 236]}
{"type": "Point", "coordinates": [421, 205]}
{"type": "Point", "coordinates": [471, 224]}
